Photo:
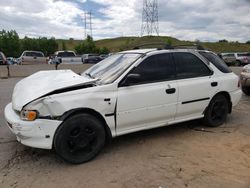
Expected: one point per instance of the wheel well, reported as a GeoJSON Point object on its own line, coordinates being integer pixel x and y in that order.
{"type": "Point", "coordinates": [238, 61]}
{"type": "Point", "coordinates": [69, 113]}
{"type": "Point", "coordinates": [227, 96]}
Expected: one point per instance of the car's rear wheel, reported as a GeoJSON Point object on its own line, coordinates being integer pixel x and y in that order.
{"type": "Point", "coordinates": [80, 138]}
{"type": "Point", "coordinates": [216, 113]}
{"type": "Point", "coordinates": [246, 90]}
{"type": "Point", "coordinates": [237, 63]}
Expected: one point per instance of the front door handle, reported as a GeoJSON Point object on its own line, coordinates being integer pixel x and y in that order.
{"type": "Point", "coordinates": [214, 84]}
{"type": "Point", "coordinates": [170, 91]}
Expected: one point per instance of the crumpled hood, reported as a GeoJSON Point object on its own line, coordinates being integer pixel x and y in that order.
{"type": "Point", "coordinates": [42, 83]}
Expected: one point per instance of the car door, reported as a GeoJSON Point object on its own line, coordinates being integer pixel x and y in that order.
{"type": "Point", "coordinates": [151, 100]}
{"type": "Point", "coordinates": [196, 84]}
{"type": "Point", "coordinates": [39, 58]}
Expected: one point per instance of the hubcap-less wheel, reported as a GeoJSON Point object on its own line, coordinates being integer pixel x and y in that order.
{"type": "Point", "coordinates": [79, 138]}
{"type": "Point", "coordinates": [217, 111]}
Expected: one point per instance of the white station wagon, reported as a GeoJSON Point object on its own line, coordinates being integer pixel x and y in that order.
{"type": "Point", "coordinates": [127, 92]}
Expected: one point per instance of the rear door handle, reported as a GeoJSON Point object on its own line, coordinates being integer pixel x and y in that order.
{"type": "Point", "coordinates": [214, 84]}
{"type": "Point", "coordinates": [170, 91]}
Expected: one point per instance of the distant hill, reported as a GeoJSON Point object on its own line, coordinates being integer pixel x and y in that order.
{"type": "Point", "coordinates": [125, 43]}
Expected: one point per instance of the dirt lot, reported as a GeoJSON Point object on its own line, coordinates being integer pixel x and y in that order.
{"type": "Point", "coordinates": [183, 155]}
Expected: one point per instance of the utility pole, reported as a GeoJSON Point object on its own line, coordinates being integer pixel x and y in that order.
{"type": "Point", "coordinates": [150, 25]}
{"type": "Point", "coordinates": [88, 24]}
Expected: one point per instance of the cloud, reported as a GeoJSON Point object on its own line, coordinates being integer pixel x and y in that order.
{"type": "Point", "coordinates": [185, 19]}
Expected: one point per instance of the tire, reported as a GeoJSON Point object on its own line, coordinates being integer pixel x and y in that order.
{"type": "Point", "coordinates": [79, 139]}
{"type": "Point", "coordinates": [237, 64]}
{"type": "Point", "coordinates": [216, 113]}
{"type": "Point", "coordinates": [246, 90]}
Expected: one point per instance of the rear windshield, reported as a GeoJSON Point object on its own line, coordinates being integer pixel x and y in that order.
{"type": "Point", "coordinates": [216, 61]}
{"type": "Point", "coordinates": [66, 54]}
{"type": "Point", "coordinates": [34, 54]}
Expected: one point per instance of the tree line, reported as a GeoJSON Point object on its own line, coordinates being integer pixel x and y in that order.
{"type": "Point", "coordinates": [12, 46]}
{"type": "Point", "coordinates": [88, 46]}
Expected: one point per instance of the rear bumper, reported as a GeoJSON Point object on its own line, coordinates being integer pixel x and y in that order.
{"type": "Point", "coordinates": [245, 79]}
{"type": "Point", "coordinates": [235, 97]}
{"type": "Point", "coordinates": [37, 134]}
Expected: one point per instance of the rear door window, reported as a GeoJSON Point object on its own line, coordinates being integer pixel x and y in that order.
{"type": "Point", "coordinates": [190, 66]}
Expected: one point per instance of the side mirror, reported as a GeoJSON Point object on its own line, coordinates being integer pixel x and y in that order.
{"type": "Point", "coordinates": [131, 79]}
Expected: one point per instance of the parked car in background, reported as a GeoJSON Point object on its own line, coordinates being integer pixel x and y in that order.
{"type": "Point", "coordinates": [242, 59]}
{"type": "Point", "coordinates": [127, 92]}
{"type": "Point", "coordinates": [93, 59]}
{"type": "Point", "coordinates": [103, 56]}
{"type": "Point", "coordinates": [229, 58]}
{"type": "Point", "coordinates": [3, 60]}
{"type": "Point", "coordinates": [245, 79]}
{"type": "Point", "coordinates": [65, 57]}
{"type": "Point", "coordinates": [11, 61]}
{"type": "Point", "coordinates": [237, 59]}
{"type": "Point", "coordinates": [32, 57]}
{"type": "Point", "coordinates": [87, 56]}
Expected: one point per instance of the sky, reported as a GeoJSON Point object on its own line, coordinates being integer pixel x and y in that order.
{"type": "Point", "coordinates": [204, 20]}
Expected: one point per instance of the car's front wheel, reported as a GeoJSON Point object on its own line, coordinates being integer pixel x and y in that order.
{"type": "Point", "coordinates": [80, 138]}
{"type": "Point", "coordinates": [216, 113]}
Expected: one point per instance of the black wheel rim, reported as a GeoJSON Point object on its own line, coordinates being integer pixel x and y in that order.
{"type": "Point", "coordinates": [81, 140]}
{"type": "Point", "coordinates": [219, 110]}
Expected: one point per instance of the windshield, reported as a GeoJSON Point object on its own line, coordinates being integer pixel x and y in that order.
{"type": "Point", "coordinates": [66, 54]}
{"type": "Point", "coordinates": [111, 68]}
{"type": "Point", "coordinates": [34, 54]}
{"type": "Point", "coordinates": [244, 55]}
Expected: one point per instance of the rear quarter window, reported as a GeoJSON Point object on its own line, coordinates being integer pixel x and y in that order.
{"type": "Point", "coordinates": [216, 61]}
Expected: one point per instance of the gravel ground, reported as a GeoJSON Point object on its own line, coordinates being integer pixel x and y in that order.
{"type": "Point", "coordinates": [182, 155]}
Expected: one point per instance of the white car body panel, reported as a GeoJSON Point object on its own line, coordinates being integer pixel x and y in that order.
{"type": "Point", "coordinates": [135, 111]}
{"type": "Point", "coordinates": [36, 133]}
{"type": "Point", "coordinates": [33, 87]}
{"type": "Point", "coordinates": [27, 60]}
{"type": "Point", "coordinates": [68, 60]}
{"type": "Point", "coordinates": [125, 109]}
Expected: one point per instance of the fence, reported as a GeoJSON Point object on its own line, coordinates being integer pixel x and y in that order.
{"type": "Point", "coordinates": [26, 70]}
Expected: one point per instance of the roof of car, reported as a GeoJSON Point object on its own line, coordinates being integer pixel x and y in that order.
{"type": "Point", "coordinates": [140, 51]}
{"type": "Point", "coordinates": [155, 50]}
{"type": "Point", "coordinates": [64, 51]}
{"type": "Point", "coordinates": [32, 51]}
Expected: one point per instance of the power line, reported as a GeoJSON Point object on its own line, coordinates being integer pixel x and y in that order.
{"type": "Point", "coordinates": [150, 25]}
